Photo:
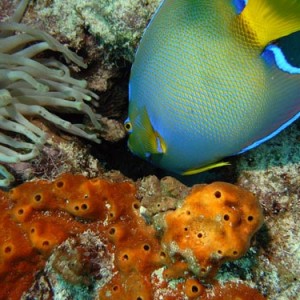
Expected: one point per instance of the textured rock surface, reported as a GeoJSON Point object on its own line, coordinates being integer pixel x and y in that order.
{"type": "Point", "coordinates": [272, 172]}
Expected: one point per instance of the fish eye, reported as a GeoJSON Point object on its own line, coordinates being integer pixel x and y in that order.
{"type": "Point", "coordinates": [128, 126]}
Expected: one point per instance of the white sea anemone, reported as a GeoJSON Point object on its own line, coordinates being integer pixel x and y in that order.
{"type": "Point", "coordinates": [33, 86]}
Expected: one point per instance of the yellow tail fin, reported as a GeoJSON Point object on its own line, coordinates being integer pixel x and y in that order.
{"type": "Point", "coordinates": [272, 19]}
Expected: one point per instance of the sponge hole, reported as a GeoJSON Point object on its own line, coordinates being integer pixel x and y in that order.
{"type": "Point", "coordinates": [146, 247]}
{"type": "Point", "coordinates": [250, 218]}
{"type": "Point", "coordinates": [7, 249]}
{"type": "Point", "coordinates": [37, 197]}
{"type": "Point", "coordinates": [226, 217]}
{"type": "Point", "coordinates": [45, 244]}
{"type": "Point", "coordinates": [60, 184]}
{"type": "Point", "coordinates": [112, 231]}
{"type": "Point", "coordinates": [218, 194]}
{"type": "Point", "coordinates": [21, 211]}
{"type": "Point", "coordinates": [84, 206]}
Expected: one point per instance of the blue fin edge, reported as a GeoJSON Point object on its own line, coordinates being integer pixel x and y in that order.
{"type": "Point", "coordinates": [159, 147]}
{"type": "Point", "coordinates": [283, 126]}
{"type": "Point", "coordinates": [273, 53]}
{"type": "Point", "coordinates": [239, 5]}
{"type": "Point", "coordinates": [153, 15]}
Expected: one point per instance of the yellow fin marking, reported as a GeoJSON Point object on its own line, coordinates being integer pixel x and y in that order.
{"type": "Point", "coordinates": [206, 168]}
{"type": "Point", "coordinates": [154, 143]}
{"type": "Point", "coordinates": [272, 19]}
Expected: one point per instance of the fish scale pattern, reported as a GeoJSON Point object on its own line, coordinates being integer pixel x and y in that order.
{"type": "Point", "coordinates": [208, 91]}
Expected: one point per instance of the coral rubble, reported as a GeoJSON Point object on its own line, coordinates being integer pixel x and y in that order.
{"type": "Point", "coordinates": [87, 236]}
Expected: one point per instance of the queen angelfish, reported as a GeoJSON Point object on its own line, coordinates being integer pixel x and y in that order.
{"type": "Point", "coordinates": [208, 81]}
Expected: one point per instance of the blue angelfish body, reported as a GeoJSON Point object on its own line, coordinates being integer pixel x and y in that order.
{"type": "Point", "coordinates": [208, 83]}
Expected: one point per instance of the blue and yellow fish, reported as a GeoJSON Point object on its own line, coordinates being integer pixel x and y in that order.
{"type": "Point", "coordinates": [207, 81]}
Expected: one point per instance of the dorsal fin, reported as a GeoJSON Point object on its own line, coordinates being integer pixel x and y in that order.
{"type": "Point", "coordinates": [272, 19]}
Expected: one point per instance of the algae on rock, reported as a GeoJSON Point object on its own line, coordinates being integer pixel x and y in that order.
{"type": "Point", "coordinates": [116, 24]}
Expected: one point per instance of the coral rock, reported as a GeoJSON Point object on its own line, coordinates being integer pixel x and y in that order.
{"type": "Point", "coordinates": [234, 291]}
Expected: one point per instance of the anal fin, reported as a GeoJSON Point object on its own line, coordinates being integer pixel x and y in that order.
{"type": "Point", "coordinates": [206, 168]}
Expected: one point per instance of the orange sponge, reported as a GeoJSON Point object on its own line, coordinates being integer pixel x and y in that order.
{"type": "Point", "coordinates": [214, 225]}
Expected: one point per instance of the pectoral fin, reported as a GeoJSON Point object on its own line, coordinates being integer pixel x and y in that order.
{"type": "Point", "coordinates": [149, 141]}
